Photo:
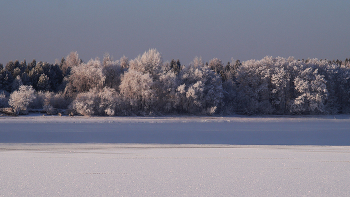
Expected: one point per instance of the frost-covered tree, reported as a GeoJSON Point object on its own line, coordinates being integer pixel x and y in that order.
{"type": "Point", "coordinates": [86, 103]}
{"type": "Point", "coordinates": [49, 100]}
{"type": "Point", "coordinates": [280, 85]}
{"type": "Point", "coordinates": [216, 65]}
{"type": "Point", "coordinates": [150, 62]}
{"type": "Point", "coordinates": [110, 102]}
{"type": "Point", "coordinates": [39, 100]}
{"type": "Point", "coordinates": [227, 75]}
{"type": "Point", "coordinates": [20, 99]}
{"type": "Point", "coordinates": [229, 71]}
{"type": "Point", "coordinates": [311, 92]}
{"type": "Point", "coordinates": [253, 87]}
{"type": "Point", "coordinates": [337, 83]}
{"type": "Point", "coordinates": [69, 62]}
{"type": "Point", "coordinates": [124, 62]}
{"type": "Point", "coordinates": [166, 91]}
{"type": "Point", "coordinates": [146, 85]}
{"type": "Point", "coordinates": [56, 100]}
{"type": "Point", "coordinates": [141, 86]}
{"type": "Point", "coordinates": [200, 91]}
{"type": "Point", "coordinates": [136, 90]}
{"type": "Point", "coordinates": [98, 102]}
{"type": "Point", "coordinates": [112, 70]}
{"type": "Point", "coordinates": [84, 77]}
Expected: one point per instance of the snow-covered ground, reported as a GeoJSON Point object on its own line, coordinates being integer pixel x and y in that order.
{"type": "Point", "coordinates": [175, 156]}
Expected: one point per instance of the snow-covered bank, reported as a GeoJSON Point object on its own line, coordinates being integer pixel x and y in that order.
{"type": "Point", "coordinates": [39, 118]}
{"type": "Point", "coordinates": [237, 130]}
{"type": "Point", "coordinates": [173, 170]}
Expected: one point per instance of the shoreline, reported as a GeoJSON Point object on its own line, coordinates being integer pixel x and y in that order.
{"type": "Point", "coordinates": [39, 118]}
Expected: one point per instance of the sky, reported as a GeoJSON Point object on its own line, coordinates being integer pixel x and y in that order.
{"type": "Point", "coordinates": [178, 29]}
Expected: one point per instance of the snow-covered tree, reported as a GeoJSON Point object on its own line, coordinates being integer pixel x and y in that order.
{"type": "Point", "coordinates": [166, 91]}
{"type": "Point", "coordinates": [112, 70]}
{"type": "Point", "coordinates": [86, 103]}
{"type": "Point", "coordinates": [70, 61]}
{"type": "Point", "coordinates": [200, 91]}
{"type": "Point", "coordinates": [253, 87]}
{"type": "Point", "coordinates": [140, 86]}
{"type": "Point", "coordinates": [57, 100]}
{"type": "Point", "coordinates": [124, 62]}
{"type": "Point", "coordinates": [20, 99]}
{"type": "Point", "coordinates": [110, 102]}
{"type": "Point", "coordinates": [136, 89]}
{"type": "Point", "coordinates": [97, 102]}
{"type": "Point", "coordinates": [150, 62]}
{"type": "Point", "coordinates": [280, 89]}
{"type": "Point", "coordinates": [146, 84]}
{"type": "Point", "coordinates": [49, 101]}
{"type": "Point", "coordinates": [311, 92]}
{"type": "Point", "coordinates": [87, 76]}
{"type": "Point", "coordinates": [216, 65]}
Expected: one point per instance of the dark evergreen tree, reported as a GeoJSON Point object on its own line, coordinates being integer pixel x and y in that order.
{"type": "Point", "coordinates": [43, 83]}
{"type": "Point", "coordinates": [17, 82]}
{"type": "Point", "coordinates": [26, 80]}
{"type": "Point", "coordinates": [62, 63]}
{"type": "Point", "coordinates": [56, 77]}
{"type": "Point", "coordinates": [31, 66]}
{"type": "Point", "coordinates": [10, 67]}
{"type": "Point", "coordinates": [6, 80]}
{"type": "Point", "coordinates": [175, 66]}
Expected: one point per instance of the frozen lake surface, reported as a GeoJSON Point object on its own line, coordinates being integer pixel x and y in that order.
{"type": "Point", "coordinates": [298, 130]}
{"type": "Point", "coordinates": [175, 156]}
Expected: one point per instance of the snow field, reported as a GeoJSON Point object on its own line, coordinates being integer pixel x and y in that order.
{"type": "Point", "coordinates": [173, 170]}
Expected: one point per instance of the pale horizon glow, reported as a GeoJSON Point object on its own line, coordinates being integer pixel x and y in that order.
{"type": "Point", "coordinates": [49, 30]}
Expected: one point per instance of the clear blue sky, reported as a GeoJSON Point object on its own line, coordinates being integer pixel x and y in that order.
{"type": "Point", "coordinates": [179, 29]}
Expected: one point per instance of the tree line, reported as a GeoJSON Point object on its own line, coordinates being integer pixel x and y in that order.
{"type": "Point", "coordinates": [148, 86]}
